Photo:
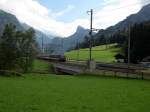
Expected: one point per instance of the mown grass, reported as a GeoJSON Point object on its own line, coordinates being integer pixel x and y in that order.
{"type": "Point", "coordinates": [56, 93]}
{"type": "Point", "coordinates": [50, 93]}
{"type": "Point", "coordinates": [99, 53]}
{"type": "Point", "coordinates": [40, 66]}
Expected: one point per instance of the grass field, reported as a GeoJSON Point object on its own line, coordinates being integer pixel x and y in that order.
{"type": "Point", "coordinates": [51, 93]}
{"type": "Point", "coordinates": [99, 53]}
{"type": "Point", "coordinates": [41, 67]}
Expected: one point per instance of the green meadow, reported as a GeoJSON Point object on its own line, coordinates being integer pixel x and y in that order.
{"type": "Point", "coordinates": [101, 53]}
{"type": "Point", "coordinates": [47, 92]}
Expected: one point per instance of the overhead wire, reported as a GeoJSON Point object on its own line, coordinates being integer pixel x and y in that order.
{"type": "Point", "coordinates": [96, 9]}
{"type": "Point", "coordinates": [136, 3]}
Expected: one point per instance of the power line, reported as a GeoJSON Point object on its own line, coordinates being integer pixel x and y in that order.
{"type": "Point", "coordinates": [113, 9]}
{"type": "Point", "coordinates": [107, 15]}
{"type": "Point", "coordinates": [136, 3]}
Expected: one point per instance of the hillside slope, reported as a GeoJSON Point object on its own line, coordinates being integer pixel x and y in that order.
{"type": "Point", "coordinates": [7, 18]}
{"type": "Point", "coordinates": [61, 45]}
{"type": "Point", "coordinates": [100, 53]}
{"type": "Point", "coordinates": [142, 16]}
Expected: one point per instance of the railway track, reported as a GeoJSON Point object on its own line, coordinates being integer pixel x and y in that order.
{"type": "Point", "coordinates": [116, 67]}
{"type": "Point", "coordinates": [122, 68]}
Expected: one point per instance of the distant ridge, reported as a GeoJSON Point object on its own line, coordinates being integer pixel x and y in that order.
{"type": "Point", "coordinates": [6, 18]}
{"type": "Point", "coordinates": [39, 35]}
{"type": "Point", "coordinates": [142, 16]}
{"type": "Point", "coordinates": [69, 42]}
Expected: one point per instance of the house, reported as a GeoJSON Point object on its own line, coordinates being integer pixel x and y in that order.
{"type": "Point", "coordinates": [120, 58]}
{"type": "Point", "coordinates": [146, 62]}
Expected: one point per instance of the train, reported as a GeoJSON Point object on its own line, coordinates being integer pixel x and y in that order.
{"type": "Point", "coordinates": [53, 58]}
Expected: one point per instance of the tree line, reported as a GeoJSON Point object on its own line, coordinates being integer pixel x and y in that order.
{"type": "Point", "coordinates": [17, 49]}
{"type": "Point", "coordinates": [140, 42]}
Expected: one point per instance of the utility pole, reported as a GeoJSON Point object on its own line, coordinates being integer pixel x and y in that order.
{"type": "Point", "coordinates": [106, 40]}
{"type": "Point", "coordinates": [90, 33]}
{"type": "Point", "coordinates": [77, 50]}
{"type": "Point", "coordinates": [91, 63]}
{"type": "Point", "coordinates": [129, 46]}
{"type": "Point", "coordinates": [62, 46]}
{"type": "Point", "coordinates": [42, 45]}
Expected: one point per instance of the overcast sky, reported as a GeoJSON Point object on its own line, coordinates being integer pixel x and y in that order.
{"type": "Point", "coordinates": [61, 17]}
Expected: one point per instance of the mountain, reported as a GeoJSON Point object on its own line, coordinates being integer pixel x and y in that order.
{"type": "Point", "coordinates": [142, 16]}
{"type": "Point", "coordinates": [70, 42]}
{"type": "Point", "coordinates": [64, 44]}
{"type": "Point", "coordinates": [6, 18]}
{"type": "Point", "coordinates": [40, 36]}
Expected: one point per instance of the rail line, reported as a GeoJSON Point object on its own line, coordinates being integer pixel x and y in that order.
{"type": "Point", "coordinates": [75, 67]}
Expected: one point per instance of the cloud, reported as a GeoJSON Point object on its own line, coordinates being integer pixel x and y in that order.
{"type": "Point", "coordinates": [115, 11]}
{"type": "Point", "coordinates": [41, 18]}
{"type": "Point", "coordinates": [145, 2]}
{"type": "Point", "coordinates": [61, 13]}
